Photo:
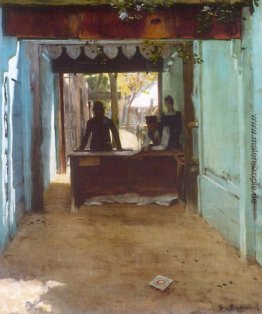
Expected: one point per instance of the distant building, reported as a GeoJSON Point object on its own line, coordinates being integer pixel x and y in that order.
{"type": "Point", "coordinates": [145, 103]}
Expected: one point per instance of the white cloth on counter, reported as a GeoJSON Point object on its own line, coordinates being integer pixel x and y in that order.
{"type": "Point", "coordinates": [163, 141]}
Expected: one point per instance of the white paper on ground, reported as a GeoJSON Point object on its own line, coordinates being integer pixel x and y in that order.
{"type": "Point", "coordinates": [132, 198]}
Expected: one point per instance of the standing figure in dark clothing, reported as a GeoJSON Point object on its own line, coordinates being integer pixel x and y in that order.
{"type": "Point", "coordinates": [99, 128]}
{"type": "Point", "coordinates": [173, 120]}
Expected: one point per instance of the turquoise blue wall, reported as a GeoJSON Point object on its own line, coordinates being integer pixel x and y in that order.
{"type": "Point", "coordinates": [24, 91]}
{"type": "Point", "coordinates": [216, 102]}
{"type": "Point", "coordinates": [220, 111]}
{"type": "Point", "coordinates": [228, 98]}
{"type": "Point", "coordinates": [9, 50]}
{"type": "Point", "coordinates": [254, 34]}
{"type": "Point", "coordinates": [14, 194]}
{"type": "Point", "coordinates": [220, 208]}
{"type": "Point", "coordinates": [16, 175]}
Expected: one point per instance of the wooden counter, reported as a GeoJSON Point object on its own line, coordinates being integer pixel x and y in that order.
{"type": "Point", "coordinates": [103, 173]}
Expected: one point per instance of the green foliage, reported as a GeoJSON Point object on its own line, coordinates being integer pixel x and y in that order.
{"type": "Point", "coordinates": [133, 9]}
{"type": "Point", "coordinates": [185, 56]}
{"type": "Point", "coordinates": [132, 83]}
{"type": "Point", "coordinates": [222, 13]}
{"type": "Point", "coordinates": [155, 49]}
{"type": "Point", "coordinates": [204, 20]}
{"type": "Point", "coordinates": [98, 82]}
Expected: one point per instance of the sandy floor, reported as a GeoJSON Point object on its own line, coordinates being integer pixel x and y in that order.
{"type": "Point", "coordinates": [101, 259]}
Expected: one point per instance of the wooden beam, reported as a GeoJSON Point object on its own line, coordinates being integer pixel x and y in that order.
{"type": "Point", "coordinates": [105, 2]}
{"type": "Point", "coordinates": [102, 22]}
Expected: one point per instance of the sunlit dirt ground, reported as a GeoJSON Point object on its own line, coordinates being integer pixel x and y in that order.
{"type": "Point", "coordinates": [102, 258]}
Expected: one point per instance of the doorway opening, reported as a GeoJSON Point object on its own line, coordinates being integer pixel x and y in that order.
{"type": "Point", "coordinates": [132, 85]}
{"type": "Point", "coordinates": [136, 96]}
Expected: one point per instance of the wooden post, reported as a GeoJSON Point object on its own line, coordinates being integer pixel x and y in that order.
{"type": "Point", "coordinates": [191, 166]}
{"type": "Point", "coordinates": [61, 126]}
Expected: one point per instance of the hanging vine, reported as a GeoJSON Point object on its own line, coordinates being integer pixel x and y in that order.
{"type": "Point", "coordinates": [223, 13]}
{"type": "Point", "coordinates": [151, 50]}
{"type": "Point", "coordinates": [134, 9]}
{"type": "Point", "coordinates": [155, 51]}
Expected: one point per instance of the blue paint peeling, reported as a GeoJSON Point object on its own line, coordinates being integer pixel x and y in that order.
{"type": "Point", "coordinates": [16, 100]}
{"type": "Point", "coordinates": [216, 103]}
{"type": "Point", "coordinates": [9, 50]}
{"type": "Point", "coordinates": [227, 94]}
{"type": "Point", "coordinates": [16, 150]}
{"type": "Point", "coordinates": [220, 111]}
{"type": "Point", "coordinates": [255, 35]}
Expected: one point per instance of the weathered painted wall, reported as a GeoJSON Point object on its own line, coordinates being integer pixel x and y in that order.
{"type": "Point", "coordinates": [48, 82]}
{"type": "Point", "coordinates": [14, 125]}
{"type": "Point", "coordinates": [247, 217]}
{"type": "Point", "coordinates": [27, 105]}
{"type": "Point", "coordinates": [173, 83]}
{"type": "Point", "coordinates": [27, 135]}
{"type": "Point", "coordinates": [16, 174]}
{"type": "Point", "coordinates": [220, 111]}
{"type": "Point", "coordinates": [24, 132]}
{"type": "Point", "coordinates": [230, 177]}
{"type": "Point", "coordinates": [216, 91]}
{"type": "Point", "coordinates": [228, 98]}
{"type": "Point", "coordinates": [40, 131]}
{"type": "Point", "coordinates": [9, 50]}
{"type": "Point", "coordinates": [255, 35]}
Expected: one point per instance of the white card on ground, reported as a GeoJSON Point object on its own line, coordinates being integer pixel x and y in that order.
{"type": "Point", "coordinates": [161, 282]}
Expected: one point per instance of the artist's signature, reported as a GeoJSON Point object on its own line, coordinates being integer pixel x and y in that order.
{"type": "Point", "coordinates": [239, 308]}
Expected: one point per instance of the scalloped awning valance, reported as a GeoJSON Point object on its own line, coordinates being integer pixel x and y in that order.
{"type": "Point", "coordinates": [111, 51]}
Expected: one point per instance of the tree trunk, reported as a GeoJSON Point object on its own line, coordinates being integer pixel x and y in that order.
{"type": "Point", "coordinates": [99, 82]}
{"type": "Point", "coordinates": [114, 98]}
{"type": "Point", "coordinates": [129, 102]}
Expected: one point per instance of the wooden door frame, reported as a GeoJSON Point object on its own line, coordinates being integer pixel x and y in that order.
{"type": "Point", "coordinates": [61, 127]}
{"type": "Point", "coordinates": [191, 170]}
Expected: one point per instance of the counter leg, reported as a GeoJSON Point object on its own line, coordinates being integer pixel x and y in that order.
{"type": "Point", "coordinates": [73, 182]}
